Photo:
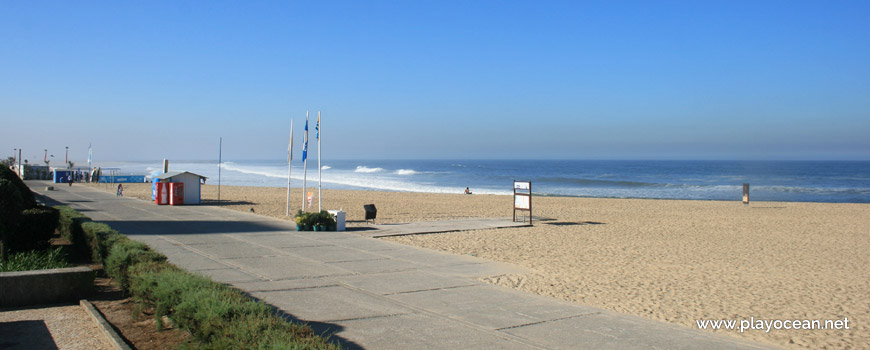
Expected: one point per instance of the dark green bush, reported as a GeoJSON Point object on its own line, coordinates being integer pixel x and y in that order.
{"type": "Point", "coordinates": [27, 199]}
{"type": "Point", "coordinates": [217, 316]}
{"type": "Point", "coordinates": [70, 228]}
{"type": "Point", "coordinates": [10, 213]}
{"type": "Point", "coordinates": [124, 254]}
{"type": "Point", "coordinates": [35, 229]}
{"type": "Point", "coordinates": [100, 238]}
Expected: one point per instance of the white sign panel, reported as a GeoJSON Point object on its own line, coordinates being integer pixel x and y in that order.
{"type": "Point", "coordinates": [522, 185]}
{"type": "Point", "coordinates": [522, 202]}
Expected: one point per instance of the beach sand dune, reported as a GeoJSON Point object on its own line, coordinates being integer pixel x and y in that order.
{"type": "Point", "coordinates": [668, 260]}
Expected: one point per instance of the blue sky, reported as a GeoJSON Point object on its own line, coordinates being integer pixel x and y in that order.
{"type": "Point", "coordinates": [443, 79]}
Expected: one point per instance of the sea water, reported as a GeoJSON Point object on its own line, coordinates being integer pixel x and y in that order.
{"type": "Point", "coordinates": [799, 181]}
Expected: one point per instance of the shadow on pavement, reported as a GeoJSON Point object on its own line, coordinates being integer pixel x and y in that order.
{"type": "Point", "coordinates": [26, 335]}
{"type": "Point", "coordinates": [163, 227]}
{"type": "Point", "coordinates": [323, 329]}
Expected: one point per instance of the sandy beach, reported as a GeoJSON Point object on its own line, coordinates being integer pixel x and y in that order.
{"type": "Point", "coordinates": [668, 260]}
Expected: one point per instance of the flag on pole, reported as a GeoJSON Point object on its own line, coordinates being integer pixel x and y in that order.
{"type": "Point", "coordinates": [305, 145]}
{"type": "Point", "coordinates": [305, 162]}
{"type": "Point", "coordinates": [310, 198]}
{"type": "Point", "coordinates": [90, 155]}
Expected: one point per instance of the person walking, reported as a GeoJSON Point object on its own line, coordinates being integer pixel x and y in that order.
{"type": "Point", "coordinates": [120, 191]}
{"type": "Point", "coordinates": [69, 180]}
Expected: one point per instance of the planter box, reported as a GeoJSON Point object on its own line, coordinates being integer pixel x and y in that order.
{"type": "Point", "coordinates": [46, 286]}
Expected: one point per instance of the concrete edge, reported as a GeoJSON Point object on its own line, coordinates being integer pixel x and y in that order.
{"type": "Point", "coordinates": [113, 337]}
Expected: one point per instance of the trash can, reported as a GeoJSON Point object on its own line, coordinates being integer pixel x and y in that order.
{"type": "Point", "coordinates": [176, 193]}
{"type": "Point", "coordinates": [371, 212]}
{"type": "Point", "coordinates": [340, 216]}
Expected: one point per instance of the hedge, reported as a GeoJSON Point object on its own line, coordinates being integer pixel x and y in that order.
{"type": "Point", "coordinates": [70, 228]}
{"type": "Point", "coordinates": [27, 199]}
{"type": "Point", "coordinates": [217, 316]}
{"type": "Point", "coordinates": [35, 229]}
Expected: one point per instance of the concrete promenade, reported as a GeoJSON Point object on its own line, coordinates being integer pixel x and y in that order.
{"type": "Point", "coordinates": [370, 293]}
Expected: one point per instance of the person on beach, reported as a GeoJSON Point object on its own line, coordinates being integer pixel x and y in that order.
{"type": "Point", "coordinates": [467, 191]}
{"type": "Point", "coordinates": [120, 190]}
{"type": "Point", "coordinates": [69, 180]}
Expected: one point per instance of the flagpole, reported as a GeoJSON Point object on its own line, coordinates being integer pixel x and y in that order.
{"type": "Point", "coordinates": [305, 162]}
{"type": "Point", "coordinates": [220, 154]}
{"type": "Point", "coordinates": [319, 168]}
{"type": "Point", "coordinates": [289, 165]}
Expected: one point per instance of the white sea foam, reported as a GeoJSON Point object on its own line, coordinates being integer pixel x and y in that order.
{"type": "Point", "coordinates": [405, 172]}
{"type": "Point", "coordinates": [364, 169]}
{"type": "Point", "coordinates": [325, 167]}
{"type": "Point", "coordinates": [254, 170]}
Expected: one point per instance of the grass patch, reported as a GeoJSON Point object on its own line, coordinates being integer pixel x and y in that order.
{"type": "Point", "coordinates": [35, 260]}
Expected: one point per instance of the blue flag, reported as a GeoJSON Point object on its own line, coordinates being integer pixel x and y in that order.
{"type": "Point", "coordinates": [305, 146]}
{"type": "Point", "coordinates": [317, 128]}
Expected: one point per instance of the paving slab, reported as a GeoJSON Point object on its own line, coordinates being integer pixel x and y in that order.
{"type": "Point", "coordinates": [233, 250]}
{"type": "Point", "coordinates": [403, 282]}
{"type": "Point", "coordinates": [279, 240]}
{"type": "Point", "coordinates": [286, 267]}
{"type": "Point", "coordinates": [272, 285]}
{"type": "Point", "coordinates": [191, 261]}
{"type": "Point", "coordinates": [331, 303]}
{"type": "Point", "coordinates": [421, 331]}
{"type": "Point", "coordinates": [332, 253]}
{"type": "Point", "coordinates": [490, 306]}
{"type": "Point", "coordinates": [376, 266]}
{"type": "Point", "coordinates": [229, 275]}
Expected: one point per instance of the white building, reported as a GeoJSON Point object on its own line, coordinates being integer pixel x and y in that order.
{"type": "Point", "coordinates": [191, 183]}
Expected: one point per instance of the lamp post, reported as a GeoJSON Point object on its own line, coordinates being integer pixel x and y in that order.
{"type": "Point", "coordinates": [66, 157]}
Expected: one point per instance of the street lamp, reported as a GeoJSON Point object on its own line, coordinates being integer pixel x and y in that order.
{"type": "Point", "coordinates": [66, 157]}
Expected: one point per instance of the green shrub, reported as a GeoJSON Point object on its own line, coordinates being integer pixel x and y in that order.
{"type": "Point", "coordinates": [99, 238]}
{"type": "Point", "coordinates": [27, 199]}
{"type": "Point", "coordinates": [217, 316]}
{"type": "Point", "coordinates": [35, 260]}
{"type": "Point", "coordinates": [70, 228]}
{"type": "Point", "coordinates": [10, 213]}
{"type": "Point", "coordinates": [35, 229]}
{"type": "Point", "coordinates": [124, 254]}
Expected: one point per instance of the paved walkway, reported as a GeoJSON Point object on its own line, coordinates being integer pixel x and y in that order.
{"type": "Point", "coordinates": [370, 293]}
{"type": "Point", "coordinates": [421, 227]}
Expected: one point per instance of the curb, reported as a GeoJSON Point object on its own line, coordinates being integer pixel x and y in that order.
{"type": "Point", "coordinates": [118, 343]}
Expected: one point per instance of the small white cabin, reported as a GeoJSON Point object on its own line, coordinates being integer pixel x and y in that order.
{"type": "Point", "coordinates": [191, 183]}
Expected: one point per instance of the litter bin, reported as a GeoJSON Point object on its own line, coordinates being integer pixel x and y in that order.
{"type": "Point", "coordinates": [340, 216]}
{"type": "Point", "coordinates": [371, 212]}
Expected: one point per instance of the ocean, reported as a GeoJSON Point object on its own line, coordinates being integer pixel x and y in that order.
{"type": "Point", "coordinates": [793, 181]}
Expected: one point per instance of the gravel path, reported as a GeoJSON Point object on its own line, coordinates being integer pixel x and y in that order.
{"type": "Point", "coordinates": [50, 327]}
